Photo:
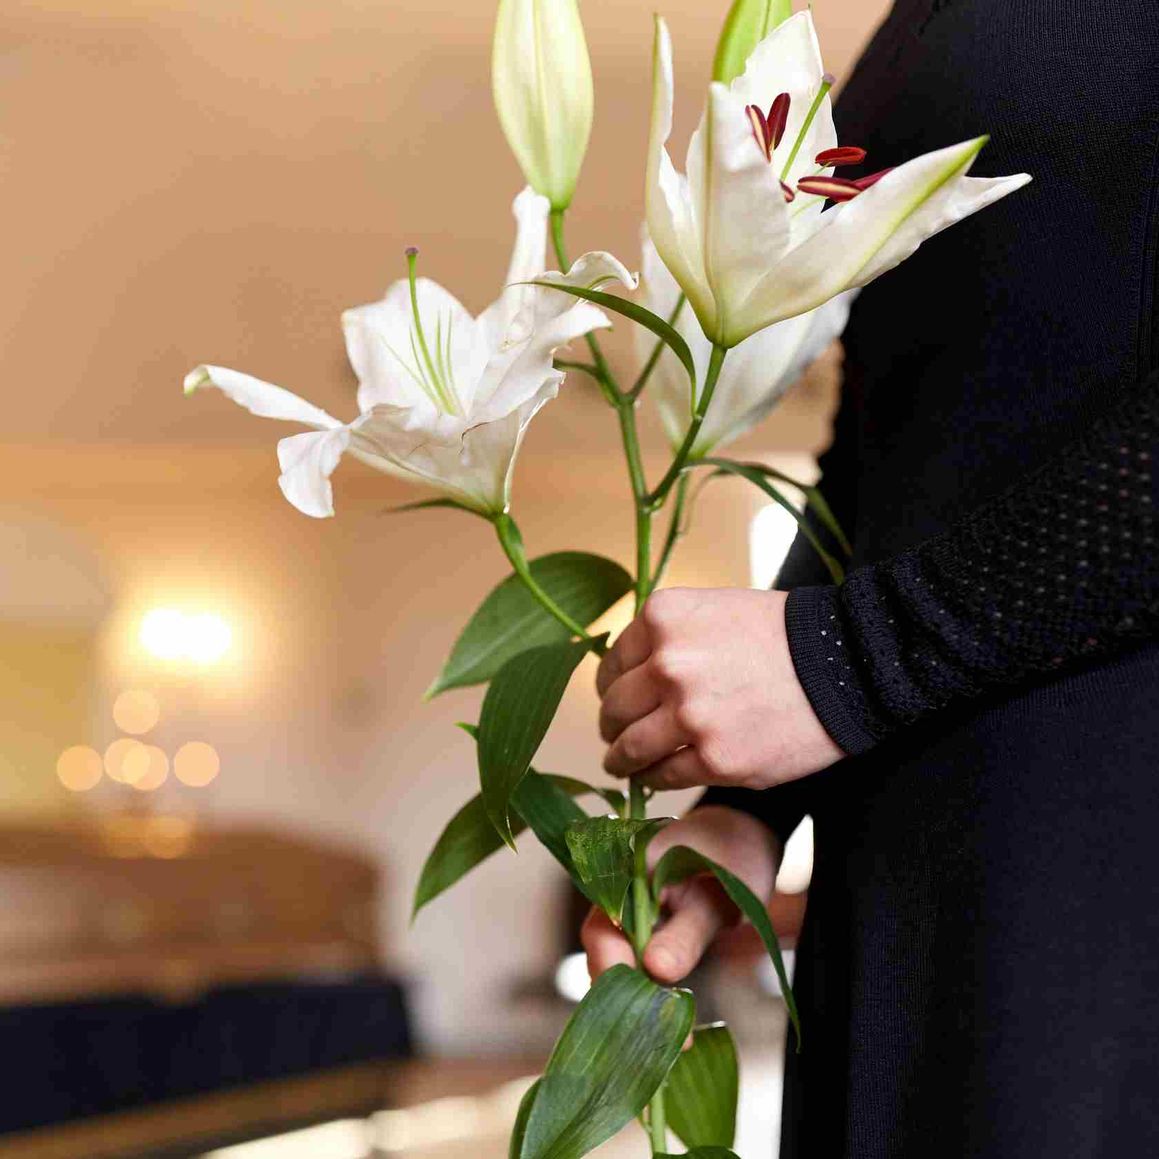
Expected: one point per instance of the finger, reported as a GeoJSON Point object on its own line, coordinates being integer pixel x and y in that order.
{"type": "Point", "coordinates": [632, 647]}
{"type": "Point", "coordinates": [645, 743]}
{"type": "Point", "coordinates": [604, 945]}
{"type": "Point", "coordinates": [698, 915]}
{"type": "Point", "coordinates": [681, 770]}
{"type": "Point", "coordinates": [631, 698]}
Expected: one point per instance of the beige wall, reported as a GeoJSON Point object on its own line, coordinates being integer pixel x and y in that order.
{"type": "Point", "coordinates": [216, 181]}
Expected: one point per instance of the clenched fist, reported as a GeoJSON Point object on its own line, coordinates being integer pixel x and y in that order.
{"type": "Point", "coordinates": [700, 689]}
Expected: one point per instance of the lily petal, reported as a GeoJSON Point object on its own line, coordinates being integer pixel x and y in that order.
{"type": "Point", "coordinates": [667, 200]}
{"type": "Point", "coordinates": [307, 462]}
{"type": "Point", "coordinates": [260, 398]}
{"type": "Point", "coordinates": [869, 235]}
{"type": "Point", "coordinates": [789, 60]}
{"type": "Point", "coordinates": [739, 206]}
{"type": "Point", "coordinates": [528, 258]}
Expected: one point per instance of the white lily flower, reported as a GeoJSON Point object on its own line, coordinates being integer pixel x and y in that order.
{"type": "Point", "coordinates": [755, 374]}
{"type": "Point", "coordinates": [743, 232]}
{"type": "Point", "coordinates": [444, 398]}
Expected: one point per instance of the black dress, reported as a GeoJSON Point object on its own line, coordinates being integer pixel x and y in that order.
{"type": "Point", "coordinates": [979, 968]}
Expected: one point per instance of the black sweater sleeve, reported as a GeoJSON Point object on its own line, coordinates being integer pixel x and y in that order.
{"type": "Point", "coordinates": [1058, 570]}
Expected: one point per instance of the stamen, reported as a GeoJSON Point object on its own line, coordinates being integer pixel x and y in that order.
{"type": "Point", "coordinates": [440, 383]}
{"type": "Point", "coordinates": [760, 129]}
{"type": "Point", "coordinates": [789, 192]}
{"type": "Point", "coordinates": [841, 155]}
{"type": "Point", "coordinates": [834, 188]}
{"type": "Point", "coordinates": [777, 119]}
{"type": "Point", "coordinates": [872, 179]}
{"type": "Point", "coordinates": [827, 82]}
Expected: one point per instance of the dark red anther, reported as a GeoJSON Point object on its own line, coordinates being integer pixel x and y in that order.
{"type": "Point", "coordinates": [789, 192]}
{"type": "Point", "coordinates": [777, 119]}
{"type": "Point", "coordinates": [760, 129]}
{"type": "Point", "coordinates": [841, 155]}
{"type": "Point", "coordinates": [834, 188]}
{"type": "Point", "coordinates": [872, 179]}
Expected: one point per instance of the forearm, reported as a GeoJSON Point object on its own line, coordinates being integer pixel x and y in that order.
{"type": "Point", "coordinates": [1057, 571]}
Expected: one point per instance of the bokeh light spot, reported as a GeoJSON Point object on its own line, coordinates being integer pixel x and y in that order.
{"type": "Point", "coordinates": [79, 768]}
{"type": "Point", "coordinates": [196, 763]}
{"type": "Point", "coordinates": [119, 754]}
{"type": "Point", "coordinates": [136, 711]}
{"type": "Point", "coordinates": [156, 768]}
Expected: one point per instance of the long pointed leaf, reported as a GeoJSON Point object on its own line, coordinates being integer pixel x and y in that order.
{"type": "Point", "coordinates": [681, 862]}
{"type": "Point", "coordinates": [603, 850]}
{"type": "Point", "coordinates": [613, 1055]}
{"type": "Point", "coordinates": [756, 476]}
{"type": "Point", "coordinates": [634, 312]}
{"type": "Point", "coordinates": [521, 1116]}
{"type": "Point", "coordinates": [517, 712]}
{"type": "Point", "coordinates": [702, 1089]}
{"type": "Point", "coordinates": [510, 621]}
{"type": "Point", "coordinates": [703, 1153]}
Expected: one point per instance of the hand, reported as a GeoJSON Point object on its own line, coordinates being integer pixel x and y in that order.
{"type": "Point", "coordinates": [700, 689]}
{"type": "Point", "coordinates": [696, 909]}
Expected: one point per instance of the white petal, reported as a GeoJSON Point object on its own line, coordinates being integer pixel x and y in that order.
{"type": "Point", "coordinates": [789, 61]}
{"type": "Point", "coordinates": [258, 397]}
{"type": "Point", "coordinates": [668, 205]}
{"type": "Point", "coordinates": [307, 462]}
{"type": "Point", "coordinates": [384, 349]}
{"type": "Point", "coordinates": [758, 372]}
{"type": "Point", "coordinates": [866, 236]}
{"type": "Point", "coordinates": [528, 259]}
{"type": "Point", "coordinates": [739, 206]}
{"type": "Point", "coordinates": [668, 384]}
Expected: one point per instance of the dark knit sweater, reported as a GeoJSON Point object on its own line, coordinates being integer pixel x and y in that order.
{"type": "Point", "coordinates": [978, 974]}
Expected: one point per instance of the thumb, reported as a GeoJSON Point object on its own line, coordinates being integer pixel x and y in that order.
{"type": "Point", "coordinates": [698, 910]}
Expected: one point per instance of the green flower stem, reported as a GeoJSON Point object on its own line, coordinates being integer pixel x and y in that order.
{"type": "Point", "coordinates": [675, 531]}
{"type": "Point", "coordinates": [512, 543]}
{"type": "Point", "coordinates": [603, 373]}
{"type": "Point", "coordinates": [660, 494]}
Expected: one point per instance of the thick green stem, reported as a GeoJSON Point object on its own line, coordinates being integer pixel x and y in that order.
{"type": "Point", "coordinates": [657, 497]}
{"type": "Point", "coordinates": [675, 531]}
{"type": "Point", "coordinates": [512, 544]}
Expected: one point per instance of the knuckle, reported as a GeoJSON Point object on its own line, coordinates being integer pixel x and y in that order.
{"type": "Point", "coordinates": [669, 666]}
{"type": "Point", "coordinates": [714, 760]}
{"type": "Point", "coordinates": [690, 719]}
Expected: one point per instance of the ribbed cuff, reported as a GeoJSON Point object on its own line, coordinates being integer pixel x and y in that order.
{"type": "Point", "coordinates": [821, 658]}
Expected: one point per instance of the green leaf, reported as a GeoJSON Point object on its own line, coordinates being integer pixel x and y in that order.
{"type": "Point", "coordinates": [755, 474]}
{"type": "Point", "coordinates": [469, 837]}
{"type": "Point", "coordinates": [747, 24]}
{"type": "Point", "coordinates": [681, 862]}
{"type": "Point", "coordinates": [510, 621]}
{"type": "Point", "coordinates": [517, 712]}
{"type": "Point", "coordinates": [604, 850]}
{"type": "Point", "coordinates": [612, 1056]}
{"type": "Point", "coordinates": [663, 330]}
{"type": "Point", "coordinates": [703, 1088]}
{"type": "Point", "coordinates": [521, 1117]}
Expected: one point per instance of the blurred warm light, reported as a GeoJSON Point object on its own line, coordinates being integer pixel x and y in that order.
{"type": "Point", "coordinates": [196, 763]}
{"type": "Point", "coordinates": [136, 711]}
{"type": "Point", "coordinates": [120, 753]}
{"type": "Point", "coordinates": [149, 768]}
{"type": "Point", "coordinates": [169, 634]}
{"type": "Point", "coordinates": [79, 768]}
{"type": "Point", "coordinates": [571, 977]}
{"type": "Point", "coordinates": [167, 836]}
{"type": "Point", "coordinates": [770, 537]}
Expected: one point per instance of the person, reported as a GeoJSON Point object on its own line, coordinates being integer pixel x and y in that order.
{"type": "Point", "coordinates": [972, 718]}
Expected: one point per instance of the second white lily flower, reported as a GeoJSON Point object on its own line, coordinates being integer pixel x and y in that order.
{"type": "Point", "coordinates": [743, 232]}
{"type": "Point", "coordinates": [444, 398]}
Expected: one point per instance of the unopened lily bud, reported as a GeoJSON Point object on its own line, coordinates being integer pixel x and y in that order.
{"type": "Point", "coordinates": [748, 23]}
{"type": "Point", "coordinates": [542, 79]}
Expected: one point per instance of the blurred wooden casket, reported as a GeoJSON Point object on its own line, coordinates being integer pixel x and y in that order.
{"type": "Point", "coordinates": [163, 982]}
